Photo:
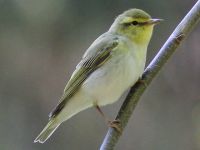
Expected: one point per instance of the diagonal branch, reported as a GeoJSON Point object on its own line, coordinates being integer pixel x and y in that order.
{"type": "Point", "coordinates": [127, 108]}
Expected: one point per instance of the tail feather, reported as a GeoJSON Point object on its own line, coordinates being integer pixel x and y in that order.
{"type": "Point", "coordinates": [47, 131]}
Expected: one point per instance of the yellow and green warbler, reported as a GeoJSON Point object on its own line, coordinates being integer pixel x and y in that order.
{"type": "Point", "coordinates": [109, 67]}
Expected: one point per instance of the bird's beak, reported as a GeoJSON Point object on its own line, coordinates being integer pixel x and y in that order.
{"type": "Point", "coordinates": [154, 21]}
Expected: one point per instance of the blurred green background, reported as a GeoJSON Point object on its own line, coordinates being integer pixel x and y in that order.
{"type": "Point", "coordinates": [42, 41]}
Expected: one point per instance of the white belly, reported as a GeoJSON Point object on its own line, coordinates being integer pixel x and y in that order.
{"type": "Point", "coordinates": [110, 81]}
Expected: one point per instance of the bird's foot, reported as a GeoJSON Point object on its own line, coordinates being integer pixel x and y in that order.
{"type": "Point", "coordinates": [142, 81]}
{"type": "Point", "coordinates": [116, 125]}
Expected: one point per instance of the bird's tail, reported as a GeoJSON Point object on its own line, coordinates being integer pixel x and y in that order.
{"type": "Point", "coordinates": [47, 131]}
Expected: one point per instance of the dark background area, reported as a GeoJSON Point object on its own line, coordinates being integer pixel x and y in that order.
{"type": "Point", "coordinates": [42, 41]}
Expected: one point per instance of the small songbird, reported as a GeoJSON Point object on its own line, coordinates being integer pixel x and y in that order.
{"type": "Point", "coordinates": [110, 66]}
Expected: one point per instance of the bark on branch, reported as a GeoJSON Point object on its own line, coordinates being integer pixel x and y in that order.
{"type": "Point", "coordinates": [175, 39]}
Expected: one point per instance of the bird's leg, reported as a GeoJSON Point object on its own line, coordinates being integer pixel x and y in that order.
{"type": "Point", "coordinates": [114, 124]}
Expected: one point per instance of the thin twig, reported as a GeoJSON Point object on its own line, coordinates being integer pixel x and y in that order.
{"type": "Point", "coordinates": [127, 108]}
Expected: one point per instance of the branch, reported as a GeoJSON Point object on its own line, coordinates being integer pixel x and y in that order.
{"type": "Point", "coordinates": [127, 108]}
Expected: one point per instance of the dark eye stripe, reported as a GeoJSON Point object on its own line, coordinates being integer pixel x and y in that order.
{"type": "Point", "coordinates": [127, 24]}
{"type": "Point", "coordinates": [132, 23]}
{"type": "Point", "coordinates": [135, 23]}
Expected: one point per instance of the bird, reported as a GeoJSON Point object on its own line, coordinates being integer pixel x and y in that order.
{"type": "Point", "coordinates": [112, 64]}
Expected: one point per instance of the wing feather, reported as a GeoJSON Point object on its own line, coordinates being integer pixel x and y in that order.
{"type": "Point", "coordinates": [84, 69]}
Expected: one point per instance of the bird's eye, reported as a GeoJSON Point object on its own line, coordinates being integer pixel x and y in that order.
{"type": "Point", "coordinates": [134, 23]}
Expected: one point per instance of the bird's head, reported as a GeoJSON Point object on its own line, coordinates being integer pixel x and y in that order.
{"type": "Point", "coordinates": [135, 24]}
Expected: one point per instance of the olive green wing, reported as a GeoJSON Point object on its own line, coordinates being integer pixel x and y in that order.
{"type": "Point", "coordinates": [83, 70]}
